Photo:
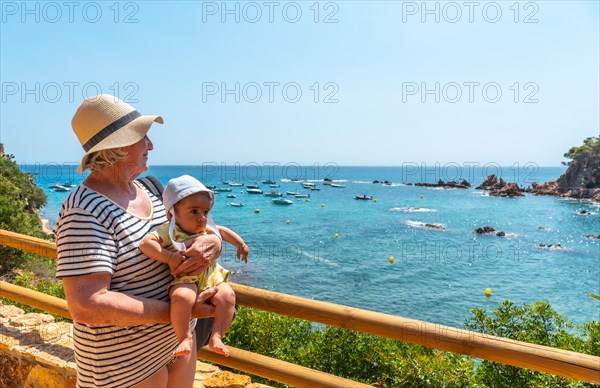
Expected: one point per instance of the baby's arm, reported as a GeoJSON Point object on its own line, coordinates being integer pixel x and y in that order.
{"type": "Point", "coordinates": [151, 247]}
{"type": "Point", "coordinates": [232, 238]}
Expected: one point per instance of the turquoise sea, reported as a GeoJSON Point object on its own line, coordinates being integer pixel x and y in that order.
{"type": "Point", "coordinates": [437, 275]}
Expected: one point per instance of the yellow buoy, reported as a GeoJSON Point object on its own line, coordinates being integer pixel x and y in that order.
{"type": "Point", "coordinates": [336, 235]}
{"type": "Point", "coordinates": [375, 200]}
{"type": "Point", "coordinates": [391, 259]}
{"type": "Point", "coordinates": [256, 210]}
{"type": "Point", "coordinates": [420, 196]}
{"type": "Point", "coordinates": [488, 292]}
{"type": "Point", "coordinates": [287, 221]}
{"type": "Point", "coordinates": [322, 205]}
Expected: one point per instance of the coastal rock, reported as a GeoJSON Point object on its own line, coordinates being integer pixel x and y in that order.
{"type": "Point", "coordinates": [596, 236]}
{"type": "Point", "coordinates": [550, 246]}
{"type": "Point", "coordinates": [435, 226]}
{"type": "Point", "coordinates": [584, 212]}
{"type": "Point", "coordinates": [485, 230]}
{"type": "Point", "coordinates": [446, 185]}
{"type": "Point", "coordinates": [581, 180]}
{"type": "Point", "coordinates": [500, 234]}
{"type": "Point", "coordinates": [500, 188]}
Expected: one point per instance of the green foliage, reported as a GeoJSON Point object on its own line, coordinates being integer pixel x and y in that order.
{"type": "Point", "coordinates": [357, 356]}
{"type": "Point", "coordinates": [43, 284]}
{"type": "Point", "coordinates": [590, 146]}
{"type": "Point", "coordinates": [536, 323]}
{"type": "Point", "coordinates": [383, 362]}
{"type": "Point", "coordinates": [20, 201]}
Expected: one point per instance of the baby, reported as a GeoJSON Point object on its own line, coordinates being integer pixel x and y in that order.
{"type": "Point", "coordinates": [188, 203]}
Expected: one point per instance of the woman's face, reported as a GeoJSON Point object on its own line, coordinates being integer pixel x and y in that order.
{"type": "Point", "coordinates": [136, 161]}
{"type": "Point", "coordinates": [191, 213]}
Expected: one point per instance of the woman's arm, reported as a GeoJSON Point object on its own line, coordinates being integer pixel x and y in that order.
{"type": "Point", "coordinates": [234, 239]}
{"type": "Point", "coordinates": [91, 302]}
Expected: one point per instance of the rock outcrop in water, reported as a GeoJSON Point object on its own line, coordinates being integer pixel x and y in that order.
{"type": "Point", "coordinates": [582, 178]}
{"type": "Point", "coordinates": [446, 185]}
{"type": "Point", "coordinates": [500, 188]}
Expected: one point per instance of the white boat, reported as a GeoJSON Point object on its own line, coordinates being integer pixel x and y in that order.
{"type": "Point", "coordinates": [235, 184]}
{"type": "Point", "coordinates": [231, 196]}
{"type": "Point", "coordinates": [282, 201]}
{"type": "Point", "coordinates": [308, 185]}
{"type": "Point", "coordinates": [61, 188]}
{"type": "Point", "coordinates": [68, 184]}
{"type": "Point", "coordinates": [302, 196]}
{"type": "Point", "coordinates": [337, 185]}
{"type": "Point", "coordinates": [269, 181]}
{"type": "Point", "coordinates": [252, 186]}
{"type": "Point", "coordinates": [292, 193]}
{"type": "Point", "coordinates": [236, 204]}
{"type": "Point", "coordinates": [254, 191]}
{"type": "Point", "coordinates": [274, 185]}
{"type": "Point", "coordinates": [222, 189]}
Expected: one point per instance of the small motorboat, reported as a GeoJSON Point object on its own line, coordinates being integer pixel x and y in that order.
{"type": "Point", "coordinates": [292, 193]}
{"type": "Point", "coordinates": [308, 185]}
{"type": "Point", "coordinates": [211, 187]}
{"type": "Point", "coordinates": [364, 197]}
{"type": "Point", "coordinates": [69, 184]}
{"type": "Point", "coordinates": [269, 182]}
{"type": "Point", "coordinates": [61, 188]}
{"type": "Point", "coordinates": [302, 196]}
{"type": "Point", "coordinates": [274, 185]}
{"type": "Point", "coordinates": [254, 191]}
{"type": "Point", "coordinates": [231, 196]}
{"type": "Point", "coordinates": [222, 189]}
{"type": "Point", "coordinates": [282, 201]}
{"type": "Point", "coordinates": [338, 185]}
{"type": "Point", "coordinates": [236, 204]}
{"type": "Point", "coordinates": [235, 184]}
{"type": "Point", "coordinates": [252, 186]}
{"type": "Point", "coordinates": [273, 194]}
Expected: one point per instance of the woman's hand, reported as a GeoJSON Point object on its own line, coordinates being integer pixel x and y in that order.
{"type": "Point", "coordinates": [204, 250]}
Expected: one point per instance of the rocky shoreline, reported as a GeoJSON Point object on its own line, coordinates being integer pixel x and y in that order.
{"type": "Point", "coordinates": [581, 180]}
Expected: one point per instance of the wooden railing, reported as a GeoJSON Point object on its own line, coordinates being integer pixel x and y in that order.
{"type": "Point", "coordinates": [521, 354]}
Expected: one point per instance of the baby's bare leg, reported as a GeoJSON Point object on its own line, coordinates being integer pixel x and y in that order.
{"type": "Point", "coordinates": [183, 297]}
{"type": "Point", "coordinates": [224, 302]}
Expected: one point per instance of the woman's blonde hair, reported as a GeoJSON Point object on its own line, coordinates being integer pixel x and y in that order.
{"type": "Point", "coordinates": [103, 158]}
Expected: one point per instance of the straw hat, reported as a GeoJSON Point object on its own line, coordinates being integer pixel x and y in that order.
{"type": "Point", "coordinates": [104, 122]}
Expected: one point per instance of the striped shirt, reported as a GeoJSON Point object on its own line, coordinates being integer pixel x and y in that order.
{"type": "Point", "coordinates": [95, 235]}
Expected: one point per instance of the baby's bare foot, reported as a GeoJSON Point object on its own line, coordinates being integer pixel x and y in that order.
{"type": "Point", "coordinates": [216, 345]}
{"type": "Point", "coordinates": [184, 348]}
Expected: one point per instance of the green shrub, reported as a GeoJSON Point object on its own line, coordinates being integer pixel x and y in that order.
{"type": "Point", "coordinates": [536, 323]}
{"type": "Point", "coordinates": [20, 201]}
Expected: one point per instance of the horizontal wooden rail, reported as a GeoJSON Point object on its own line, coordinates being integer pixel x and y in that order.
{"type": "Point", "coordinates": [277, 370]}
{"type": "Point", "coordinates": [35, 299]}
{"type": "Point", "coordinates": [28, 243]}
{"type": "Point", "coordinates": [521, 354]}
{"type": "Point", "coordinates": [253, 363]}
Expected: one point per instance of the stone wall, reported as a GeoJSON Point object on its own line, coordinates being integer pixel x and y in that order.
{"type": "Point", "coordinates": [36, 351]}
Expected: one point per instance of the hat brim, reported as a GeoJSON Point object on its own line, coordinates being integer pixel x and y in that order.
{"type": "Point", "coordinates": [123, 137]}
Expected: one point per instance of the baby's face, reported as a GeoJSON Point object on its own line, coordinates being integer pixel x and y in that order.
{"type": "Point", "coordinates": [191, 212]}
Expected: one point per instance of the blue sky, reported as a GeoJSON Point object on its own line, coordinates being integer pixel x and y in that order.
{"type": "Point", "coordinates": [346, 82]}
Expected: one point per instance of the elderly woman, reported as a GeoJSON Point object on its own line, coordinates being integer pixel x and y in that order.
{"type": "Point", "coordinates": [117, 296]}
